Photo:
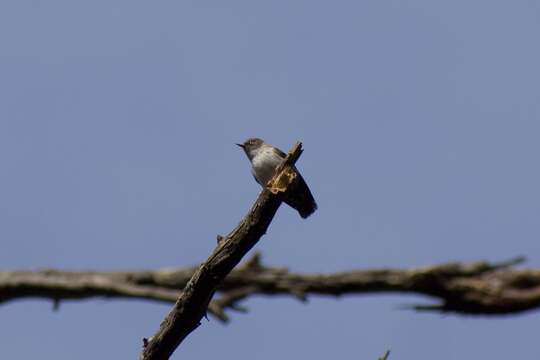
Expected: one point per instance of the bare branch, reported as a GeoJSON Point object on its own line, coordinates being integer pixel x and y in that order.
{"type": "Point", "coordinates": [463, 288]}
{"type": "Point", "coordinates": [192, 304]}
{"type": "Point", "coordinates": [62, 285]}
{"type": "Point", "coordinates": [385, 356]}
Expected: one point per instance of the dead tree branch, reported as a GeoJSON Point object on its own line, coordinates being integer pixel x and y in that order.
{"type": "Point", "coordinates": [464, 288]}
{"type": "Point", "coordinates": [475, 288]}
{"type": "Point", "coordinates": [195, 298]}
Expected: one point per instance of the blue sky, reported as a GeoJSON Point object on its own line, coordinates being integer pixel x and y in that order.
{"type": "Point", "coordinates": [420, 122]}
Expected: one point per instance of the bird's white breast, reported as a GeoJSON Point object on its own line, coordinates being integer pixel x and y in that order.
{"type": "Point", "coordinates": [264, 164]}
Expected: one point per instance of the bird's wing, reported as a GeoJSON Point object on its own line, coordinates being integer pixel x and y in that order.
{"type": "Point", "coordinates": [280, 153]}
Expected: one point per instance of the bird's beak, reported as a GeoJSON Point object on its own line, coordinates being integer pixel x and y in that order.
{"type": "Point", "coordinates": [241, 145]}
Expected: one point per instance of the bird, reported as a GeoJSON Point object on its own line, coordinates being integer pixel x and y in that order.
{"type": "Point", "coordinates": [264, 159]}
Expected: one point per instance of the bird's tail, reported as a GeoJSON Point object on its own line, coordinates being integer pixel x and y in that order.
{"type": "Point", "coordinates": [301, 199]}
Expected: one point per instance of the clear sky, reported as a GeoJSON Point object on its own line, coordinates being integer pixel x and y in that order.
{"type": "Point", "coordinates": [420, 122]}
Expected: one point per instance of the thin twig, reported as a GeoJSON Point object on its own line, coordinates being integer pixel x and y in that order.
{"type": "Point", "coordinates": [385, 356]}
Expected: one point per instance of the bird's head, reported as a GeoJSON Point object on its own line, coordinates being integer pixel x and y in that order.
{"type": "Point", "coordinates": [251, 145]}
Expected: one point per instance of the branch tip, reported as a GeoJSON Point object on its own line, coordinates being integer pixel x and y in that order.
{"type": "Point", "coordinates": [385, 356]}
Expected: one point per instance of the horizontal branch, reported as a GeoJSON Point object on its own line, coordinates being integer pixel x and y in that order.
{"type": "Point", "coordinates": [463, 288]}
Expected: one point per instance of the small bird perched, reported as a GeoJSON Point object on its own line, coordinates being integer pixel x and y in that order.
{"type": "Point", "coordinates": [264, 159]}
